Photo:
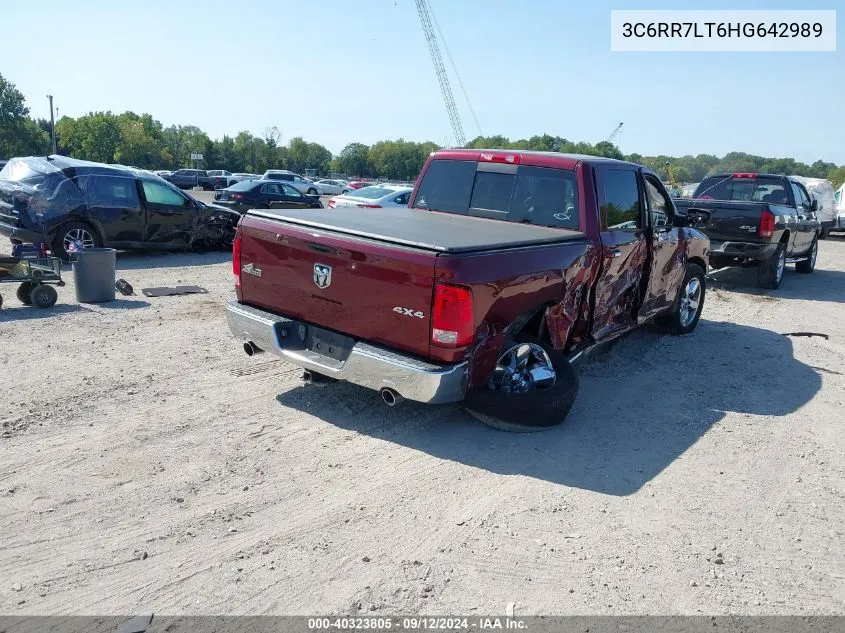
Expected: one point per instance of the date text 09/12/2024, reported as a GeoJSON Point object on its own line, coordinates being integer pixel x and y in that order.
{"type": "Point", "coordinates": [416, 624]}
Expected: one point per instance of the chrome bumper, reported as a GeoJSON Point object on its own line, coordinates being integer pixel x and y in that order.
{"type": "Point", "coordinates": [365, 365]}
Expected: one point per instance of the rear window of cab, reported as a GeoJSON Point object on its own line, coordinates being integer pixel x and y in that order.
{"type": "Point", "coordinates": [535, 195]}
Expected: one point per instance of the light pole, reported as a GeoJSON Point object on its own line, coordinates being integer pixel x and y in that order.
{"type": "Point", "coordinates": [52, 125]}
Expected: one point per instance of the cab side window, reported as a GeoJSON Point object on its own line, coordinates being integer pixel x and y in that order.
{"type": "Point", "coordinates": [659, 205]}
{"type": "Point", "coordinates": [156, 193]}
{"type": "Point", "coordinates": [621, 209]}
{"type": "Point", "coordinates": [800, 197]}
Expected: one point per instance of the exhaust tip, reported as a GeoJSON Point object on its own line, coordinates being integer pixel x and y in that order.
{"type": "Point", "coordinates": [307, 376]}
{"type": "Point", "coordinates": [390, 397]}
{"type": "Point", "coordinates": [252, 349]}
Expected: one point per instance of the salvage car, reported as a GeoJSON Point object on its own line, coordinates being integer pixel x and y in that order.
{"type": "Point", "coordinates": [303, 185]}
{"type": "Point", "coordinates": [264, 194]}
{"type": "Point", "coordinates": [220, 178]}
{"type": "Point", "coordinates": [375, 197]}
{"type": "Point", "coordinates": [505, 267]}
{"type": "Point", "coordinates": [72, 204]}
{"type": "Point", "coordinates": [190, 178]}
{"type": "Point", "coordinates": [330, 187]}
{"type": "Point", "coordinates": [762, 220]}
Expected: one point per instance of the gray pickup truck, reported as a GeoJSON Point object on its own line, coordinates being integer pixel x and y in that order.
{"type": "Point", "coordinates": [756, 219]}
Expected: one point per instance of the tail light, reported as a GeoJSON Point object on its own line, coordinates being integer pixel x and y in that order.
{"type": "Point", "coordinates": [237, 196]}
{"type": "Point", "coordinates": [451, 317]}
{"type": "Point", "coordinates": [236, 259]}
{"type": "Point", "coordinates": [370, 206]}
{"type": "Point", "coordinates": [487, 157]}
{"type": "Point", "coordinates": [744, 174]}
{"type": "Point", "coordinates": [767, 223]}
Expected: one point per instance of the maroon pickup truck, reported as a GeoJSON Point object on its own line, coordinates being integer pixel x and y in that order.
{"type": "Point", "coordinates": [503, 269]}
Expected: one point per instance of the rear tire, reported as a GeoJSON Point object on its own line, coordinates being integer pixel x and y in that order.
{"type": "Point", "coordinates": [312, 192]}
{"type": "Point", "coordinates": [24, 290]}
{"type": "Point", "coordinates": [75, 231]}
{"type": "Point", "coordinates": [770, 273]}
{"type": "Point", "coordinates": [537, 408]}
{"type": "Point", "coordinates": [682, 318]}
{"type": "Point", "coordinates": [43, 296]}
{"type": "Point", "coordinates": [806, 266]}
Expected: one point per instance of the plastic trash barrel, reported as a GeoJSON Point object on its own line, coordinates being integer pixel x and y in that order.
{"type": "Point", "coordinates": [93, 274]}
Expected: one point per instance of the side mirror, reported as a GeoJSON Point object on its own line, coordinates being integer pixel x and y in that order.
{"type": "Point", "coordinates": [814, 205]}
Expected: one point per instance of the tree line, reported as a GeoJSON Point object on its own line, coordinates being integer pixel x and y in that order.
{"type": "Point", "coordinates": [142, 141]}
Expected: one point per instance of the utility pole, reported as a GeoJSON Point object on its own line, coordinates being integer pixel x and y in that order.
{"type": "Point", "coordinates": [52, 125]}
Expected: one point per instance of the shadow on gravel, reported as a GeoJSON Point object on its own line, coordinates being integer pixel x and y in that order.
{"type": "Point", "coordinates": [135, 260]}
{"type": "Point", "coordinates": [643, 402]}
{"type": "Point", "coordinates": [820, 285]}
{"type": "Point", "coordinates": [24, 313]}
{"type": "Point", "coordinates": [27, 313]}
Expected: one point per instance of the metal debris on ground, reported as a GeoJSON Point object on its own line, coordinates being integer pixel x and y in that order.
{"type": "Point", "coordinates": [165, 291]}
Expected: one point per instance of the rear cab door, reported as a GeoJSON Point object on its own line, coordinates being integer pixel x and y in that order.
{"type": "Point", "coordinates": [292, 198]}
{"type": "Point", "coordinates": [270, 194]}
{"type": "Point", "coordinates": [170, 215]}
{"type": "Point", "coordinates": [625, 249]}
{"type": "Point", "coordinates": [114, 205]}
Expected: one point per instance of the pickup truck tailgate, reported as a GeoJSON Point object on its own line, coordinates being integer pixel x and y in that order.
{"type": "Point", "coordinates": [371, 291]}
{"type": "Point", "coordinates": [730, 220]}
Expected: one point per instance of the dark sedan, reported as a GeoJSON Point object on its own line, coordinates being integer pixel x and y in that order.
{"type": "Point", "coordinates": [264, 194]}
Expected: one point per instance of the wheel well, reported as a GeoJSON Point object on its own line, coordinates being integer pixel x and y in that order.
{"type": "Point", "coordinates": [698, 261]}
{"type": "Point", "coordinates": [531, 324]}
{"type": "Point", "coordinates": [92, 225]}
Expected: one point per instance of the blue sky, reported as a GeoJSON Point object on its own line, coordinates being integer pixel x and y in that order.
{"type": "Point", "coordinates": [336, 72]}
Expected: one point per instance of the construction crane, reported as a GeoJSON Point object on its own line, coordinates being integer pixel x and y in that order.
{"type": "Point", "coordinates": [440, 71]}
{"type": "Point", "coordinates": [614, 133]}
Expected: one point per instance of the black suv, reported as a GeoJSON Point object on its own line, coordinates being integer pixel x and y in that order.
{"type": "Point", "coordinates": [68, 202]}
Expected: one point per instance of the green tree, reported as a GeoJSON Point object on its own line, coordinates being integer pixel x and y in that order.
{"type": "Point", "coordinates": [836, 176]}
{"type": "Point", "coordinates": [354, 160]}
{"type": "Point", "coordinates": [19, 134]}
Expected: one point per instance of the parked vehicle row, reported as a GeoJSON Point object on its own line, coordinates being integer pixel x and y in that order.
{"type": "Point", "coordinates": [504, 267]}
{"type": "Point", "coordinates": [71, 203]}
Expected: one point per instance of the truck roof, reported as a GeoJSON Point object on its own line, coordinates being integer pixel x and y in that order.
{"type": "Point", "coordinates": [528, 157]}
{"type": "Point", "coordinates": [743, 174]}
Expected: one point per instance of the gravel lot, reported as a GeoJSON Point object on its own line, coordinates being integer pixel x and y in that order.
{"type": "Point", "coordinates": [150, 465]}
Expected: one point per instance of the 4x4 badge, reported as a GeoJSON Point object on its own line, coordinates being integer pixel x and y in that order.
{"type": "Point", "coordinates": [251, 269]}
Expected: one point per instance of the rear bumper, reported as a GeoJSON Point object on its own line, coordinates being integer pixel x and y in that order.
{"type": "Point", "coordinates": [18, 233]}
{"type": "Point", "coordinates": [749, 250]}
{"type": "Point", "coordinates": [365, 365]}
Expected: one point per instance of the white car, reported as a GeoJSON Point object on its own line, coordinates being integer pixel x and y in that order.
{"type": "Point", "coordinates": [240, 177]}
{"type": "Point", "coordinates": [331, 187]}
{"type": "Point", "coordinates": [374, 197]}
{"type": "Point", "coordinates": [302, 185]}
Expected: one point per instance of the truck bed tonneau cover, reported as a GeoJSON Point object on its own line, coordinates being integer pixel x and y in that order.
{"type": "Point", "coordinates": [430, 230]}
